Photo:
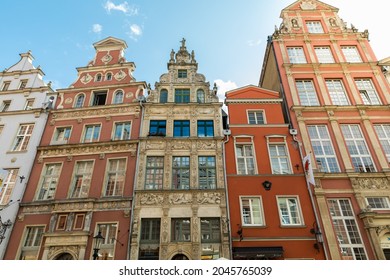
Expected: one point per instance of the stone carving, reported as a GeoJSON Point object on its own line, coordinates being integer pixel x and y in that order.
{"type": "Point", "coordinates": [208, 198]}
{"type": "Point", "coordinates": [69, 100]}
{"type": "Point", "coordinates": [120, 75]}
{"type": "Point", "coordinates": [53, 222]}
{"type": "Point", "coordinates": [86, 79]}
{"type": "Point", "coordinates": [95, 113]}
{"type": "Point", "coordinates": [332, 22]}
{"type": "Point", "coordinates": [88, 219]}
{"type": "Point", "coordinates": [180, 198]}
{"type": "Point", "coordinates": [370, 183]}
{"type": "Point", "coordinates": [382, 228]}
{"type": "Point", "coordinates": [151, 199]}
{"type": "Point", "coordinates": [294, 23]}
{"type": "Point", "coordinates": [206, 145]}
{"type": "Point", "coordinates": [308, 5]}
{"type": "Point", "coordinates": [107, 58]}
{"type": "Point", "coordinates": [69, 222]}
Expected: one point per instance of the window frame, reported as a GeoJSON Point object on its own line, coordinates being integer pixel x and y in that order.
{"type": "Point", "coordinates": [314, 27]}
{"type": "Point", "coordinates": [244, 144]}
{"type": "Point", "coordinates": [200, 96]}
{"type": "Point", "coordinates": [290, 218]}
{"type": "Point", "coordinates": [154, 173]}
{"type": "Point", "coordinates": [210, 171]}
{"type": "Point", "coordinates": [79, 100]}
{"type": "Point", "coordinates": [205, 128]}
{"type": "Point", "coordinates": [94, 136]}
{"type": "Point", "coordinates": [182, 170]}
{"type": "Point", "coordinates": [277, 167]}
{"type": "Point", "coordinates": [181, 128]}
{"type": "Point", "coordinates": [351, 54]}
{"type": "Point", "coordinates": [81, 179]}
{"type": "Point", "coordinates": [210, 230]}
{"type": "Point", "coordinates": [384, 200]}
{"type": "Point", "coordinates": [307, 92]}
{"type": "Point", "coordinates": [296, 55]}
{"type": "Point", "coordinates": [50, 178]}
{"type": "Point", "coordinates": [182, 73]}
{"type": "Point", "coordinates": [255, 119]}
{"type": "Point", "coordinates": [384, 138]}
{"type": "Point", "coordinates": [180, 234]}
{"type": "Point", "coordinates": [324, 54]}
{"type": "Point", "coordinates": [8, 183]}
{"type": "Point", "coordinates": [5, 85]}
{"type": "Point", "coordinates": [109, 231]}
{"type": "Point", "coordinates": [163, 96]}
{"type": "Point", "coordinates": [22, 139]}
{"type": "Point", "coordinates": [6, 104]}
{"type": "Point", "coordinates": [159, 125]}
{"type": "Point", "coordinates": [66, 135]}
{"type": "Point", "coordinates": [182, 95]}
{"type": "Point", "coordinates": [32, 235]}
{"type": "Point", "coordinates": [120, 131]}
{"type": "Point", "coordinates": [116, 99]}
{"type": "Point", "coordinates": [368, 92]}
{"type": "Point", "coordinates": [260, 217]}
{"type": "Point", "coordinates": [337, 92]}
{"type": "Point", "coordinates": [119, 177]}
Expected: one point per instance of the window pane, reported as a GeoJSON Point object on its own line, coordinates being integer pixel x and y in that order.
{"type": "Point", "coordinates": [307, 93]}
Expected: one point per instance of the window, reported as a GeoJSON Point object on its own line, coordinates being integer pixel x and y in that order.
{"type": "Point", "coordinates": [23, 137]}
{"type": "Point", "coordinates": [210, 230]}
{"type": "Point", "coordinates": [207, 172]}
{"type": "Point", "coordinates": [154, 173]}
{"type": "Point", "coordinates": [82, 179]}
{"type": "Point", "coordinates": [351, 54]}
{"type": "Point", "coordinates": [31, 243]}
{"type": "Point", "coordinates": [181, 230]}
{"type": "Point", "coordinates": [200, 96]}
{"type": "Point", "coordinates": [279, 159]}
{"type": "Point", "coordinates": [5, 106]}
{"type": "Point", "coordinates": [1, 128]}
{"type": "Point", "coordinates": [122, 131]}
{"type": "Point", "coordinates": [7, 184]}
{"type": "Point", "coordinates": [289, 211]}
{"type": "Point", "coordinates": [157, 128]}
{"type": "Point", "coordinates": [245, 159]}
{"type": "Point", "coordinates": [296, 55]}
{"type": "Point", "coordinates": [118, 97]}
{"type": "Point", "coordinates": [61, 223]}
{"type": "Point", "coordinates": [29, 104]}
{"type": "Point", "coordinates": [383, 132]}
{"type": "Point", "coordinates": [346, 229]}
{"type": "Point", "coordinates": [109, 233]}
{"type": "Point", "coordinates": [116, 173]}
{"type": "Point", "coordinates": [367, 92]}
{"type": "Point", "coordinates": [378, 202]}
{"type": "Point", "coordinates": [149, 239]}
{"type": "Point", "coordinates": [49, 181]}
{"type": "Point", "coordinates": [182, 73]}
{"type": "Point", "coordinates": [23, 84]}
{"type": "Point", "coordinates": [356, 144]}
{"type": "Point", "coordinates": [307, 93]}
{"type": "Point", "coordinates": [61, 135]}
{"type": "Point", "coordinates": [99, 98]}
{"type": "Point", "coordinates": [314, 27]}
{"type": "Point", "coordinates": [181, 128]}
{"type": "Point", "coordinates": [163, 96]}
{"type": "Point", "coordinates": [324, 54]}
{"type": "Point", "coordinates": [181, 173]}
{"type": "Point", "coordinates": [79, 101]}
{"type": "Point", "coordinates": [91, 133]}
{"type": "Point", "coordinates": [98, 77]}
{"type": "Point", "coordinates": [337, 92]}
{"type": "Point", "coordinates": [5, 86]}
{"type": "Point", "coordinates": [108, 77]}
{"type": "Point", "coordinates": [182, 95]}
{"type": "Point", "coordinates": [256, 117]}
{"type": "Point", "coordinates": [251, 211]}
{"type": "Point", "coordinates": [205, 128]}
{"type": "Point", "coordinates": [323, 148]}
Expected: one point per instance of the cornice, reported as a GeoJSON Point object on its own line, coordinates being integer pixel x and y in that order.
{"type": "Point", "coordinates": [253, 101]}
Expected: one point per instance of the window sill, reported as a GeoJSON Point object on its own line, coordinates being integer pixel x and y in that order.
{"type": "Point", "coordinates": [293, 226]}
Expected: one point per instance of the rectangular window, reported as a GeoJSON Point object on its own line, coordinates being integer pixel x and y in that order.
{"type": "Point", "coordinates": [99, 98]}
{"type": "Point", "coordinates": [296, 55]}
{"type": "Point", "coordinates": [181, 128]}
{"type": "Point", "coordinates": [23, 84]}
{"type": "Point", "coordinates": [61, 223]}
{"type": "Point", "coordinates": [122, 131]}
{"type": "Point", "coordinates": [337, 92]}
{"type": "Point", "coordinates": [182, 95]}
{"type": "Point", "coordinates": [182, 73]}
{"type": "Point", "coordinates": [7, 184]}
{"type": "Point", "coordinates": [256, 117]}
{"type": "Point", "coordinates": [23, 137]}
{"type": "Point", "coordinates": [367, 92]}
{"type": "Point", "coordinates": [307, 93]}
{"type": "Point", "coordinates": [82, 179]}
{"type": "Point", "coordinates": [378, 202]}
{"type": "Point", "coordinates": [210, 230]}
{"type": "Point", "coordinates": [5, 106]}
{"type": "Point", "coordinates": [149, 239]}
{"type": "Point", "coordinates": [207, 172]}
{"type": "Point", "coordinates": [154, 173]}
{"type": "Point", "coordinates": [79, 222]}
{"type": "Point", "coordinates": [61, 135]}
{"type": "Point", "coordinates": [351, 54]}
{"type": "Point", "coordinates": [357, 147]}
{"type": "Point", "coordinates": [324, 54]}
{"type": "Point", "coordinates": [289, 211]}
{"type": "Point", "coordinates": [116, 174]}
{"type": "Point", "coordinates": [383, 132]}
{"type": "Point", "coordinates": [5, 86]}
{"type": "Point", "coordinates": [205, 128]}
{"type": "Point", "coordinates": [346, 229]}
{"type": "Point", "coordinates": [279, 159]}
{"type": "Point", "coordinates": [31, 243]}
{"type": "Point", "coordinates": [314, 27]}
{"type": "Point", "coordinates": [245, 159]}
{"type": "Point", "coordinates": [181, 230]}
{"type": "Point", "coordinates": [92, 133]}
{"type": "Point", "coordinates": [29, 104]}
{"type": "Point", "coordinates": [49, 181]}
{"type": "Point", "coordinates": [251, 211]}
{"type": "Point", "coordinates": [157, 128]}
{"type": "Point", "coordinates": [181, 173]}
{"type": "Point", "coordinates": [323, 149]}
{"type": "Point", "coordinates": [109, 233]}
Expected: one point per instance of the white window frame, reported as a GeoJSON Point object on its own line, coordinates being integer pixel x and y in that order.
{"type": "Point", "coordinates": [337, 92]}
{"type": "Point", "coordinates": [60, 137]}
{"type": "Point", "coordinates": [278, 160]}
{"type": "Point", "coordinates": [8, 180]}
{"type": "Point", "coordinates": [351, 54]}
{"type": "Point", "coordinates": [116, 99]}
{"type": "Point", "coordinates": [154, 173]}
{"type": "Point", "coordinates": [22, 137]}
{"type": "Point", "coordinates": [123, 135]}
{"type": "Point", "coordinates": [29, 104]}
{"type": "Point", "coordinates": [51, 179]}
{"type": "Point", "coordinates": [378, 202]}
{"type": "Point", "coordinates": [91, 139]}
{"type": "Point", "coordinates": [258, 117]}
{"type": "Point", "coordinates": [324, 54]}
{"type": "Point", "coordinates": [296, 55]}
{"type": "Point", "coordinates": [247, 217]}
{"type": "Point", "coordinates": [367, 92]}
{"type": "Point", "coordinates": [307, 93]}
{"type": "Point", "coordinates": [207, 179]}
{"type": "Point", "coordinates": [383, 132]}
{"type": "Point", "coordinates": [77, 102]}
{"type": "Point", "coordinates": [119, 177]}
{"type": "Point", "coordinates": [314, 27]}
{"type": "Point", "coordinates": [109, 231]}
{"type": "Point", "coordinates": [287, 215]}
{"type": "Point", "coordinates": [82, 178]}
{"type": "Point", "coordinates": [356, 145]}
{"type": "Point", "coordinates": [32, 235]}
{"type": "Point", "coordinates": [5, 105]}
{"type": "Point", "coordinates": [246, 170]}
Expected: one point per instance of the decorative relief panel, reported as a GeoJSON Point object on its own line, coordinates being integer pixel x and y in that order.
{"type": "Point", "coordinates": [123, 110]}
{"type": "Point", "coordinates": [86, 79]}
{"type": "Point", "coordinates": [370, 183]}
{"type": "Point", "coordinates": [120, 75]}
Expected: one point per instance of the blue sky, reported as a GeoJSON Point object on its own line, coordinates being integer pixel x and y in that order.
{"type": "Point", "coordinates": [228, 36]}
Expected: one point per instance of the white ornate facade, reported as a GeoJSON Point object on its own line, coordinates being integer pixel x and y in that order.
{"type": "Point", "coordinates": [180, 200]}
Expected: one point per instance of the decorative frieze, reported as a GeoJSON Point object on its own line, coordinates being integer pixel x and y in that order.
{"type": "Point", "coordinates": [96, 112]}
{"type": "Point", "coordinates": [370, 183]}
{"type": "Point", "coordinates": [180, 198]}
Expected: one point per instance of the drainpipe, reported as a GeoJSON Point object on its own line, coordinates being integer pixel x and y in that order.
{"type": "Point", "coordinates": [312, 199]}
{"type": "Point", "coordinates": [227, 197]}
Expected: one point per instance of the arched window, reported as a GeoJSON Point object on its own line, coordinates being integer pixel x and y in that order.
{"type": "Point", "coordinates": [163, 96]}
{"type": "Point", "coordinates": [98, 77]}
{"type": "Point", "coordinates": [79, 101]}
{"type": "Point", "coordinates": [118, 98]}
{"type": "Point", "coordinates": [108, 77]}
{"type": "Point", "coordinates": [200, 96]}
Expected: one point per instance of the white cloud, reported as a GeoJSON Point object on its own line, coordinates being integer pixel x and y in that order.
{"type": "Point", "coordinates": [254, 43]}
{"type": "Point", "coordinates": [97, 28]}
{"type": "Point", "coordinates": [223, 87]}
{"type": "Point", "coordinates": [135, 31]}
{"type": "Point", "coordinates": [124, 7]}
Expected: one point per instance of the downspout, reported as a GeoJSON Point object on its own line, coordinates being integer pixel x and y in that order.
{"type": "Point", "coordinates": [227, 197]}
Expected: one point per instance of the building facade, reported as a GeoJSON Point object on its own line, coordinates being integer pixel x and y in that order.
{"type": "Point", "coordinates": [338, 99]}
{"type": "Point", "coordinates": [271, 208]}
{"type": "Point", "coordinates": [180, 209]}
{"type": "Point", "coordinates": [24, 103]}
{"type": "Point", "coordinates": [82, 178]}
